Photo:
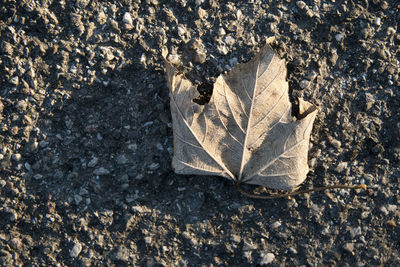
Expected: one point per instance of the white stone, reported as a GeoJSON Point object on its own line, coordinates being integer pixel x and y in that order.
{"type": "Point", "coordinates": [301, 4]}
{"type": "Point", "coordinates": [304, 84]}
{"type": "Point", "coordinates": [391, 31]}
{"type": "Point", "coordinates": [391, 207]}
{"type": "Point", "coordinates": [275, 225]}
{"type": "Point", "coordinates": [267, 259]}
{"type": "Point", "coordinates": [356, 231]}
{"type": "Point", "coordinates": [221, 31]}
{"type": "Point", "coordinates": [174, 59]}
{"type": "Point", "coordinates": [127, 19]}
{"type": "Point", "coordinates": [181, 30]}
{"type": "Point", "coordinates": [27, 166]}
{"type": "Point", "coordinates": [229, 40]}
{"type": "Point", "coordinates": [77, 248]}
{"type": "Point", "coordinates": [222, 49]}
{"type": "Point", "coordinates": [384, 210]}
{"type": "Point", "coordinates": [341, 167]}
{"type": "Point", "coordinates": [16, 157]}
{"type": "Point", "coordinates": [339, 37]}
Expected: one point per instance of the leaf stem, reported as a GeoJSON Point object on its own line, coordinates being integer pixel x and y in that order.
{"type": "Point", "coordinates": [290, 194]}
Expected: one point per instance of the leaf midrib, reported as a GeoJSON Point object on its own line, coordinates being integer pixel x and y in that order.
{"type": "Point", "coordinates": [240, 176]}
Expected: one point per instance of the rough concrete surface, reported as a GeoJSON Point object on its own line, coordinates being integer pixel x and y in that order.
{"type": "Point", "coordinates": [86, 138]}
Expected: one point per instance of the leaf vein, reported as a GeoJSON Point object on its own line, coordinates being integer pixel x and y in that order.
{"type": "Point", "coordinates": [195, 136]}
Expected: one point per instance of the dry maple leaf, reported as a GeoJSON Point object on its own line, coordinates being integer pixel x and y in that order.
{"type": "Point", "coordinates": [246, 132]}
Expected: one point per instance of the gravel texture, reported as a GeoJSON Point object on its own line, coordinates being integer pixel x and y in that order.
{"type": "Point", "coordinates": [86, 138]}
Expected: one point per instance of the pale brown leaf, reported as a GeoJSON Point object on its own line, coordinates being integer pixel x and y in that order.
{"type": "Point", "coordinates": [246, 131]}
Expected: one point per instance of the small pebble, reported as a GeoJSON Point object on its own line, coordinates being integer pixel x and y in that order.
{"type": "Point", "coordinates": [27, 166]}
{"type": "Point", "coordinates": [222, 49]}
{"type": "Point", "coordinates": [58, 174]}
{"type": "Point", "coordinates": [391, 223]}
{"type": "Point", "coordinates": [356, 231]}
{"type": "Point", "coordinates": [365, 214]}
{"type": "Point", "coordinates": [76, 249]}
{"type": "Point", "coordinates": [202, 13]}
{"type": "Point", "coordinates": [384, 210]}
{"type": "Point", "coordinates": [391, 207]}
{"type": "Point", "coordinates": [83, 191]}
{"type": "Point", "coordinates": [304, 84]}
{"type": "Point", "coordinates": [301, 4]}
{"type": "Point", "coordinates": [154, 166]}
{"type": "Point", "coordinates": [127, 19]}
{"type": "Point", "coordinates": [121, 160]}
{"type": "Point", "coordinates": [15, 243]}
{"type": "Point", "coordinates": [93, 162]}
{"type": "Point", "coordinates": [339, 37]}
{"type": "Point", "coordinates": [309, 13]}
{"type": "Point", "coordinates": [312, 163]}
{"type": "Point", "coordinates": [13, 216]}
{"type": "Point", "coordinates": [22, 105]}
{"type": "Point", "coordinates": [140, 209]}
{"type": "Point", "coordinates": [121, 254]}
{"type": "Point", "coordinates": [348, 247]}
{"type": "Point", "coordinates": [333, 56]}
{"type": "Point", "coordinates": [101, 171]}
{"type": "Point", "coordinates": [199, 57]}
{"type": "Point", "coordinates": [341, 167]}
{"type": "Point", "coordinates": [275, 225]}
{"type": "Point", "coordinates": [267, 259]}
{"type": "Point", "coordinates": [174, 59]}
{"type": "Point", "coordinates": [114, 24]}
{"type": "Point", "coordinates": [390, 31]}
{"type": "Point", "coordinates": [199, 2]}
{"type": "Point", "coordinates": [229, 40]}
{"type": "Point", "coordinates": [14, 130]}
{"type": "Point", "coordinates": [159, 147]}
{"type": "Point", "coordinates": [148, 240]}
{"type": "Point", "coordinates": [148, 123]}
{"type": "Point", "coordinates": [37, 176]}
{"type": "Point", "coordinates": [14, 80]}
{"type": "Point", "coordinates": [77, 199]}
{"type": "Point", "coordinates": [311, 75]}
{"type": "Point", "coordinates": [236, 238]}
{"type": "Point", "coordinates": [16, 157]}
{"type": "Point", "coordinates": [233, 61]}
{"type": "Point", "coordinates": [385, 5]}
{"type": "Point", "coordinates": [335, 143]}
{"type": "Point", "coordinates": [181, 30]}
{"type": "Point", "coordinates": [372, 252]}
